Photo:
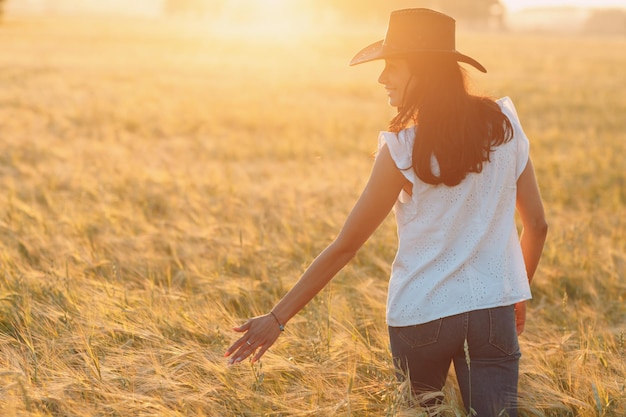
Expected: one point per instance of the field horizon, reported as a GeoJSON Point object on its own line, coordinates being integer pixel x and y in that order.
{"type": "Point", "coordinates": [162, 182]}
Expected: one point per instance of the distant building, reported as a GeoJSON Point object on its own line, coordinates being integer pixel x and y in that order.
{"type": "Point", "coordinates": [548, 19]}
{"type": "Point", "coordinates": [569, 20]}
{"type": "Point", "coordinates": [606, 22]}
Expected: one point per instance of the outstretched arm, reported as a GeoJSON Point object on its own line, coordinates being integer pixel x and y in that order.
{"type": "Point", "coordinates": [534, 229]}
{"type": "Point", "coordinates": [372, 207]}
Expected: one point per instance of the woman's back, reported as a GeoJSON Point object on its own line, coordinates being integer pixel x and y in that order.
{"type": "Point", "coordinates": [458, 246]}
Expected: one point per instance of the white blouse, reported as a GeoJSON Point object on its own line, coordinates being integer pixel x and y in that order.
{"type": "Point", "coordinates": [458, 246]}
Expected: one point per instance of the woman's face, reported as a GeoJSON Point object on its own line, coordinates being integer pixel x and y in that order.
{"type": "Point", "coordinates": [395, 78]}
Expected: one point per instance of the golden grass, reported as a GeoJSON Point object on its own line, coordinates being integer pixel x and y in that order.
{"type": "Point", "coordinates": [161, 183]}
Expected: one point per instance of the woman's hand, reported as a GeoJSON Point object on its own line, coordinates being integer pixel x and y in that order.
{"type": "Point", "coordinates": [259, 334]}
{"type": "Point", "coordinates": [520, 316]}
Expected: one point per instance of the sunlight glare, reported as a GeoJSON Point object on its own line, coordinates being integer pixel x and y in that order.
{"type": "Point", "coordinates": [265, 18]}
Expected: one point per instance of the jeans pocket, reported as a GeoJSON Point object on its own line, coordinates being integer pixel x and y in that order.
{"type": "Point", "coordinates": [502, 331]}
{"type": "Point", "coordinates": [419, 335]}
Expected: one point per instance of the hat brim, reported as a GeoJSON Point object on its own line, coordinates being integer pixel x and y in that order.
{"type": "Point", "coordinates": [377, 51]}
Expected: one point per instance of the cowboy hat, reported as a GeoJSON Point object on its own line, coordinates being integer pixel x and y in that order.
{"type": "Point", "coordinates": [416, 32]}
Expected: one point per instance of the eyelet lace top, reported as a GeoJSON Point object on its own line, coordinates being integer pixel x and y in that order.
{"type": "Point", "coordinates": [458, 246]}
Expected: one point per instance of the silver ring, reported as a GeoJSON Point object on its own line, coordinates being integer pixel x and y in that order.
{"type": "Point", "coordinates": [248, 342]}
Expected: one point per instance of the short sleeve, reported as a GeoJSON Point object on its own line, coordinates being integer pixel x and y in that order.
{"type": "Point", "coordinates": [401, 149]}
{"type": "Point", "coordinates": [523, 145]}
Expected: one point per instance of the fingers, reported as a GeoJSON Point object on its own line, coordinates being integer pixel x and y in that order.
{"type": "Point", "coordinates": [260, 353]}
{"type": "Point", "coordinates": [239, 343]}
{"type": "Point", "coordinates": [244, 327]}
{"type": "Point", "coordinates": [520, 317]}
{"type": "Point", "coordinates": [259, 334]}
{"type": "Point", "coordinates": [247, 348]}
{"type": "Point", "coordinates": [238, 346]}
{"type": "Point", "coordinates": [243, 351]}
{"type": "Point", "coordinates": [520, 324]}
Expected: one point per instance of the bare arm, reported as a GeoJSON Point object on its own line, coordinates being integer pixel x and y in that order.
{"type": "Point", "coordinates": [534, 229]}
{"type": "Point", "coordinates": [372, 207]}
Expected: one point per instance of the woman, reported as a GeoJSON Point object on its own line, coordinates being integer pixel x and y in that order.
{"type": "Point", "coordinates": [455, 166]}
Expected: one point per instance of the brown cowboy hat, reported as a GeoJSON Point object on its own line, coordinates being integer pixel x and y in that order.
{"type": "Point", "coordinates": [416, 32]}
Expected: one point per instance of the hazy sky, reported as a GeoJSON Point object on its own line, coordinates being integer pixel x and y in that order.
{"type": "Point", "coordinates": [519, 4]}
{"type": "Point", "coordinates": [153, 7]}
{"type": "Point", "coordinates": [512, 4]}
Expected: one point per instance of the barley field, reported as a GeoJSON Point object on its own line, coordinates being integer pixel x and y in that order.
{"type": "Point", "coordinates": [163, 181]}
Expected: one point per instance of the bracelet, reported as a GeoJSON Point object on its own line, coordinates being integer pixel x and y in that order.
{"type": "Point", "coordinates": [280, 325]}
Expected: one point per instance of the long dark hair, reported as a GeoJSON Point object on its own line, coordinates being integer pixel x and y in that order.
{"type": "Point", "coordinates": [459, 129]}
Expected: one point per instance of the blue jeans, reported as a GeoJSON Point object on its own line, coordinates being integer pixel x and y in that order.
{"type": "Point", "coordinates": [489, 384]}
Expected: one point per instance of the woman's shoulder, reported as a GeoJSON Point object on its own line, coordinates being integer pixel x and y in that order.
{"type": "Point", "coordinates": [400, 145]}
{"type": "Point", "coordinates": [404, 137]}
{"type": "Point", "coordinates": [508, 108]}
